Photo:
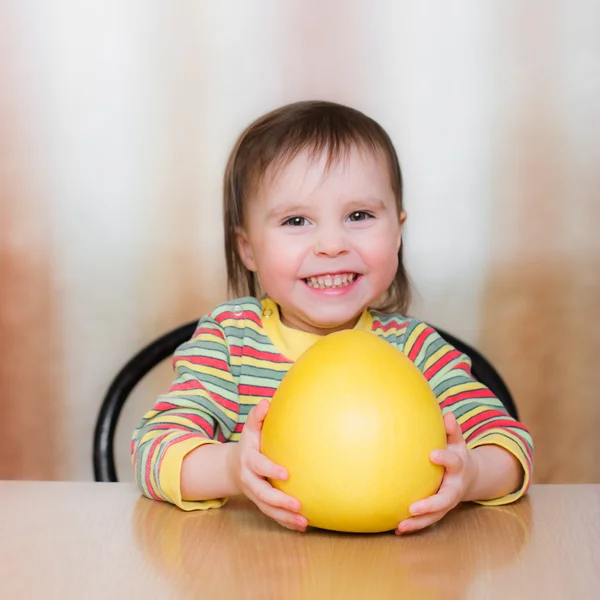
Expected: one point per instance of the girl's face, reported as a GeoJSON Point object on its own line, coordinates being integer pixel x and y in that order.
{"type": "Point", "coordinates": [324, 241]}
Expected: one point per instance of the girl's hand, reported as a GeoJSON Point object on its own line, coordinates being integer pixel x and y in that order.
{"type": "Point", "coordinates": [461, 471]}
{"type": "Point", "coordinates": [251, 469]}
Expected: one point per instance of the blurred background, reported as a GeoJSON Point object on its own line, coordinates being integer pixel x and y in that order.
{"type": "Point", "coordinates": [116, 119]}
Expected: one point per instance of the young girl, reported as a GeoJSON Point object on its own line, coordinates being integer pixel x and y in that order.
{"type": "Point", "coordinates": [313, 226]}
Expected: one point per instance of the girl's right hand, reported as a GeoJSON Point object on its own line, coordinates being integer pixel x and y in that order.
{"type": "Point", "coordinates": [251, 469]}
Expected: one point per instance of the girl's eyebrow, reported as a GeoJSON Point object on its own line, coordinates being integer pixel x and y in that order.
{"type": "Point", "coordinates": [368, 202]}
{"type": "Point", "coordinates": [287, 209]}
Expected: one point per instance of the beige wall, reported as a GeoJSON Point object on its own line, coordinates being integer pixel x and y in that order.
{"type": "Point", "coordinates": [115, 122]}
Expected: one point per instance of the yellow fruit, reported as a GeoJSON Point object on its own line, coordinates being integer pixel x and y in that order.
{"type": "Point", "coordinates": [354, 422]}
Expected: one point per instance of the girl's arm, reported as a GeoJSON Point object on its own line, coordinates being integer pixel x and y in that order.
{"type": "Point", "coordinates": [199, 410]}
{"type": "Point", "coordinates": [497, 473]}
{"type": "Point", "coordinates": [484, 473]}
{"type": "Point", "coordinates": [234, 468]}
{"type": "Point", "coordinates": [207, 472]}
{"type": "Point", "coordinates": [484, 422]}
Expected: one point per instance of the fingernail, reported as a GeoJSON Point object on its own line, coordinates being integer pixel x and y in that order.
{"type": "Point", "coordinates": [301, 522]}
{"type": "Point", "coordinates": [282, 474]}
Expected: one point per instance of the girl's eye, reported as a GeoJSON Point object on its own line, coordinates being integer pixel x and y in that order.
{"type": "Point", "coordinates": [359, 215]}
{"type": "Point", "coordinates": [295, 221]}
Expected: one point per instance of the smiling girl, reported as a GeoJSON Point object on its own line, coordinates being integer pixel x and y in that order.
{"type": "Point", "coordinates": [313, 213]}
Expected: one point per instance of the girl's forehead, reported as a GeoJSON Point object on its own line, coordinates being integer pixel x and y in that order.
{"type": "Point", "coordinates": [359, 181]}
{"type": "Point", "coordinates": [309, 170]}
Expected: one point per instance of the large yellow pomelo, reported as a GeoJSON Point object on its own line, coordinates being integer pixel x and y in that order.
{"type": "Point", "coordinates": [354, 422]}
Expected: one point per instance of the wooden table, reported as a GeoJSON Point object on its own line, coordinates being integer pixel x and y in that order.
{"type": "Point", "coordinates": [89, 540]}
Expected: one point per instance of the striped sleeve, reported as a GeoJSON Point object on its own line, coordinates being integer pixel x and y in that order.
{"type": "Point", "coordinates": [200, 407]}
{"type": "Point", "coordinates": [483, 419]}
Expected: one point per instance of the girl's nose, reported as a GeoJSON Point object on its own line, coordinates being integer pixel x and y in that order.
{"type": "Point", "coordinates": [331, 242]}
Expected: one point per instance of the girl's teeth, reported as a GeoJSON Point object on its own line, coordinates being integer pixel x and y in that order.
{"type": "Point", "coordinates": [331, 281]}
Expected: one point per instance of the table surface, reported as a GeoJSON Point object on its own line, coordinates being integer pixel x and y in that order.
{"type": "Point", "coordinates": [93, 540]}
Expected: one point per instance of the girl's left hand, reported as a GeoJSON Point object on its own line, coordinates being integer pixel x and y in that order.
{"type": "Point", "coordinates": [460, 472]}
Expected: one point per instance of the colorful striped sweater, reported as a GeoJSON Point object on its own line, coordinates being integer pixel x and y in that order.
{"type": "Point", "coordinates": [237, 356]}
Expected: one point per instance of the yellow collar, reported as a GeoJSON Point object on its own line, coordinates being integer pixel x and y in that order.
{"type": "Point", "coordinates": [292, 343]}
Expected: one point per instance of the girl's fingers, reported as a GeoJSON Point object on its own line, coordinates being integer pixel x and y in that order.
{"type": "Point", "coordinates": [286, 518]}
{"type": "Point", "coordinates": [256, 416]}
{"type": "Point", "coordinates": [451, 460]}
{"type": "Point", "coordinates": [444, 500]}
{"type": "Point", "coordinates": [265, 467]}
{"type": "Point", "coordinates": [453, 432]}
{"type": "Point", "coordinates": [263, 491]}
{"type": "Point", "coordinates": [416, 523]}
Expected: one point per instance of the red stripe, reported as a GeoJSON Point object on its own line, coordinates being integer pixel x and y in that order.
{"type": "Point", "coordinates": [441, 363]}
{"type": "Point", "coordinates": [196, 419]}
{"type": "Point", "coordinates": [186, 386]}
{"type": "Point", "coordinates": [513, 424]}
{"type": "Point", "coordinates": [528, 448]}
{"type": "Point", "coordinates": [170, 426]}
{"type": "Point", "coordinates": [246, 314]}
{"type": "Point", "coordinates": [148, 465]}
{"type": "Point", "coordinates": [175, 441]}
{"type": "Point", "coordinates": [164, 405]}
{"type": "Point", "coordinates": [257, 354]}
{"type": "Point", "coordinates": [205, 361]}
{"type": "Point", "coordinates": [165, 426]}
{"type": "Point", "coordinates": [453, 399]}
{"type": "Point", "coordinates": [464, 366]}
{"type": "Point", "coordinates": [210, 331]}
{"type": "Point", "coordinates": [254, 390]}
{"type": "Point", "coordinates": [225, 403]}
{"type": "Point", "coordinates": [499, 424]}
{"type": "Point", "coordinates": [201, 422]}
{"type": "Point", "coordinates": [484, 416]}
{"type": "Point", "coordinates": [238, 427]}
{"type": "Point", "coordinates": [416, 348]}
{"type": "Point", "coordinates": [213, 396]}
{"type": "Point", "coordinates": [392, 325]}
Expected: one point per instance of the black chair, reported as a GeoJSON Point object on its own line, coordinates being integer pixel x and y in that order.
{"type": "Point", "coordinates": [164, 347]}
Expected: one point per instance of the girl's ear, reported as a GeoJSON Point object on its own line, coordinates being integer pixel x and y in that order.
{"type": "Point", "coordinates": [402, 220]}
{"type": "Point", "coordinates": [245, 249]}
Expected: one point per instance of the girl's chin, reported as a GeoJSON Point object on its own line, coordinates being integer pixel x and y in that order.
{"type": "Point", "coordinates": [323, 323]}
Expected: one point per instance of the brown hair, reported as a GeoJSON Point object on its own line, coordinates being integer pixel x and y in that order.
{"type": "Point", "coordinates": [274, 140]}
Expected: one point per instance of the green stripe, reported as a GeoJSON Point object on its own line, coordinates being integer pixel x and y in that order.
{"type": "Point", "coordinates": [212, 381]}
{"type": "Point", "coordinates": [239, 337]}
{"type": "Point", "coordinates": [213, 349]}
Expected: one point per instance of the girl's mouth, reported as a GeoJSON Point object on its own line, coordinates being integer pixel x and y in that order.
{"type": "Point", "coordinates": [327, 282]}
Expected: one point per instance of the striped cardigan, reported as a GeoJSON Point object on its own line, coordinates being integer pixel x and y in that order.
{"type": "Point", "coordinates": [231, 363]}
